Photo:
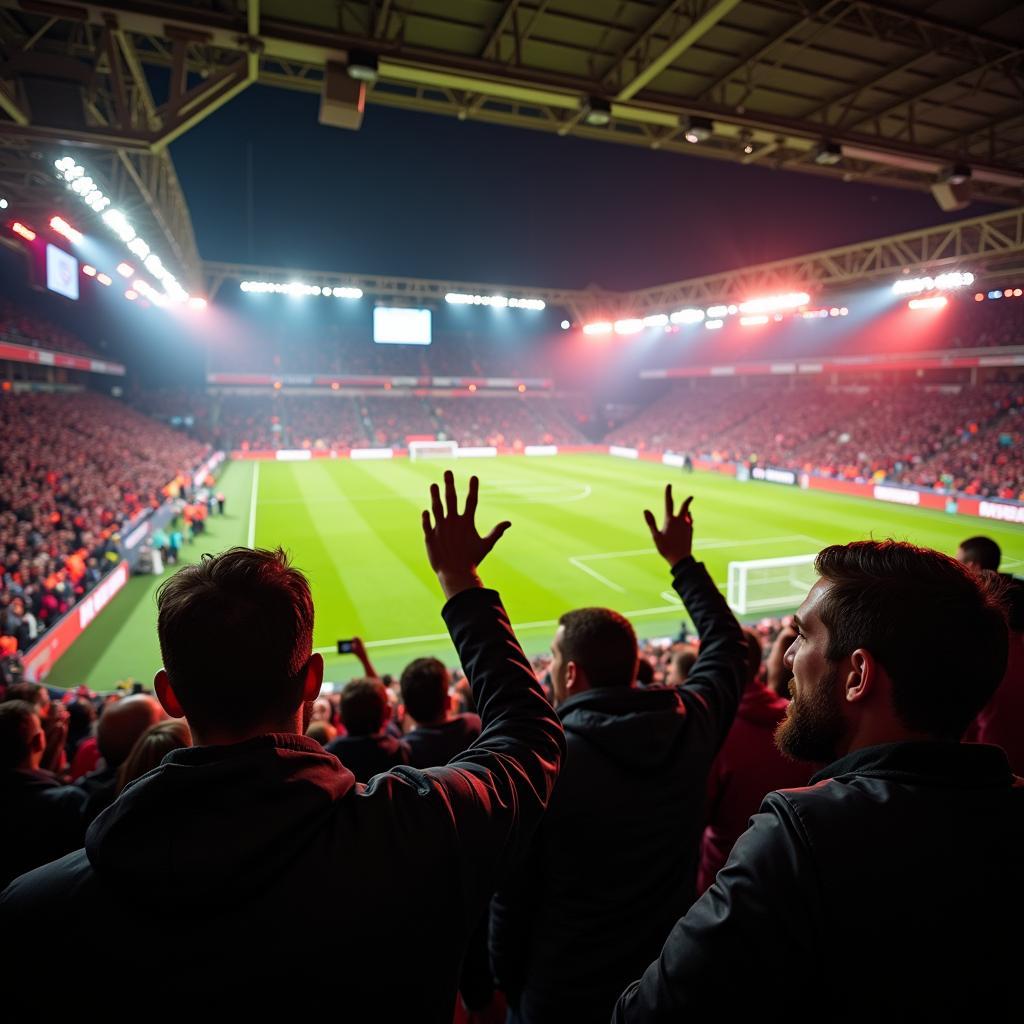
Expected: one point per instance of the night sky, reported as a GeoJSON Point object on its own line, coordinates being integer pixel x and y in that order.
{"type": "Point", "coordinates": [428, 196]}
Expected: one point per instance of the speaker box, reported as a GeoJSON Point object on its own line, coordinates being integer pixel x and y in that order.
{"type": "Point", "coordinates": [343, 99]}
{"type": "Point", "coordinates": [952, 197]}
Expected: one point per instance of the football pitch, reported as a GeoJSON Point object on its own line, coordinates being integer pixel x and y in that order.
{"type": "Point", "coordinates": [578, 538]}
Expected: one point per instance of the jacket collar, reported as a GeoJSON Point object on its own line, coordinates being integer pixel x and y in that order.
{"type": "Point", "coordinates": [938, 762]}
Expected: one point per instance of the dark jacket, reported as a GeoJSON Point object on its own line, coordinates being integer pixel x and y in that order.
{"type": "Point", "coordinates": [100, 788]}
{"type": "Point", "coordinates": [366, 756]}
{"type": "Point", "coordinates": [890, 889]}
{"type": "Point", "coordinates": [748, 766]}
{"type": "Point", "coordinates": [42, 820]}
{"type": "Point", "coordinates": [239, 872]}
{"type": "Point", "coordinates": [614, 863]}
{"type": "Point", "coordinates": [432, 745]}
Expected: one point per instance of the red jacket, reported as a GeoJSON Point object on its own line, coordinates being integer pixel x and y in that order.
{"type": "Point", "coordinates": [747, 768]}
{"type": "Point", "coordinates": [1001, 721]}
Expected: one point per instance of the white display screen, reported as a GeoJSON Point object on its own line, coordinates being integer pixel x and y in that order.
{"type": "Point", "coordinates": [396, 326]}
{"type": "Point", "coordinates": [61, 272]}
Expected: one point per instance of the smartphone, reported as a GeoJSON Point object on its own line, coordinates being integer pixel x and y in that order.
{"type": "Point", "coordinates": [345, 646]}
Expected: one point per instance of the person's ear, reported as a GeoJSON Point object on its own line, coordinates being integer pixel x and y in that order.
{"type": "Point", "coordinates": [574, 678]}
{"type": "Point", "coordinates": [314, 678]}
{"type": "Point", "coordinates": [166, 695]}
{"type": "Point", "coordinates": [38, 744]}
{"type": "Point", "coordinates": [862, 676]}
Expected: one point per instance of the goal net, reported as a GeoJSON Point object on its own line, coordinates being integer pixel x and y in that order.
{"type": "Point", "coordinates": [433, 450]}
{"type": "Point", "coordinates": [770, 584]}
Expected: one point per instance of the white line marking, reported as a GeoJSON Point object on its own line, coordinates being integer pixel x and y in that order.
{"type": "Point", "coordinates": [533, 495]}
{"type": "Point", "coordinates": [698, 546]}
{"type": "Point", "coordinates": [519, 627]}
{"type": "Point", "coordinates": [252, 505]}
{"type": "Point", "coordinates": [596, 575]}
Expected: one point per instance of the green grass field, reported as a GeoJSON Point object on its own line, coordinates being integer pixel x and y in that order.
{"type": "Point", "coordinates": [577, 538]}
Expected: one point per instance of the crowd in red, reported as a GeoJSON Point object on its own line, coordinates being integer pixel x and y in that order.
{"type": "Point", "coordinates": [69, 483]}
{"type": "Point", "coordinates": [950, 437]}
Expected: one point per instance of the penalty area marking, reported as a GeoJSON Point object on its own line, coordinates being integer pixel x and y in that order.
{"type": "Point", "coordinates": [518, 627]}
{"type": "Point", "coordinates": [579, 561]}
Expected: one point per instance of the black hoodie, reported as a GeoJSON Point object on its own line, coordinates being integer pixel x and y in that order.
{"type": "Point", "coordinates": [238, 874]}
{"type": "Point", "coordinates": [614, 863]}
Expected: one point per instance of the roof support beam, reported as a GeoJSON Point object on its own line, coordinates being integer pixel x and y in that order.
{"type": "Point", "coordinates": [712, 15]}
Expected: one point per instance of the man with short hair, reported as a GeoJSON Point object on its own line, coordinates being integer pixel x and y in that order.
{"type": "Point", "coordinates": [438, 735]}
{"type": "Point", "coordinates": [980, 553]}
{"type": "Point", "coordinates": [614, 861]}
{"type": "Point", "coordinates": [42, 820]}
{"type": "Point", "coordinates": [681, 661]}
{"type": "Point", "coordinates": [367, 750]}
{"type": "Point", "coordinates": [202, 870]}
{"type": "Point", "coordinates": [891, 885]}
{"type": "Point", "coordinates": [120, 724]}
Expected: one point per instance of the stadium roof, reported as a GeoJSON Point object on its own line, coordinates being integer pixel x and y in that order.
{"type": "Point", "coordinates": [903, 95]}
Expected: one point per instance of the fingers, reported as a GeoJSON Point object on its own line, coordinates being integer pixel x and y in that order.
{"type": "Point", "coordinates": [426, 523]}
{"type": "Point", "coordinates": [684, 509]}
{"type": "Point", "coordinates": [668, 502]}
{"type": "Point", "coordinates": [451, 499]}
{"type": "Point", "coordinates": [652, 523]}
{"type": "Point", "coordinates": [471, 498]}
{"type": "Point", "coordinates": [495, 535]}
{"type": "Point", "coordinates": [435, 503]}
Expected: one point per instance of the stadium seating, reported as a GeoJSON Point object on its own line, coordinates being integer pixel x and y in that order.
{"type": "Point", "coordinates": [74, 468]}
{"type": "Point", "coordinates": [21, 327]}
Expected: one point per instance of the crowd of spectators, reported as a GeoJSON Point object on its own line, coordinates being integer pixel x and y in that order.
{"type": "Point", "coordinates": [359, 421]}
{"type": "Point", "coordinates": [710, 787]}
{"type": "Point", "coordinates": [20, 327]}
{"type": "Point", "coordinates": [951, 437]}
{"type": "Point", "coordinates": [74, 469]}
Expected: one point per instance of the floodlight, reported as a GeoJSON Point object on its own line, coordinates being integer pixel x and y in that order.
{"type": "Point", "coordinates": [698, 129]}
{"type": "Point", "coordinates": [828, 154]}
{"type": "Point", "coordinates": [362, 66]}
{"type": "Point", "coordinates": [597, 112]}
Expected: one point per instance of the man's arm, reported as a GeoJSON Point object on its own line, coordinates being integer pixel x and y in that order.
{"type": "Point", "coordinates": [498, 789]}
{"type": "Point", "coordinates": [722, 958]}
{"type": "Point", "coordinates": [716, 680]}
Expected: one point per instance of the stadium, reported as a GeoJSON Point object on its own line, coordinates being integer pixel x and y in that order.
{"type": "Point", "coordinates": [270, 270]}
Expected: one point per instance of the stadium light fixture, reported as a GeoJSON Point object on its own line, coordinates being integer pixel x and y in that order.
{"type": "Point", "coordinates": [3, 203]}
{"type": "Point", "coordinates": [775, 303]}
{"type": "Point", "coordinates": [754, 321]}
{"type": "Point", "coordinates": [197, 302]}
{"type": "Point", "coordinates": [497, 301]}
{"type": "Point", "coordinates": [346, 292]}
{"type": "Point", "coordinates": [104, 279]}
{"type": "Point", "coordinates": [600, 327]}
{"type": "Point", "coordinates": [828, 154]}
{"type": "Point", "coordinates": [78, 181]}
{"type": "Point", "coordinates": [929, 302]}
{"type": "Point", "coordinates": [20, 229]}
{"type": "Point", "coordinates": [125, 269]}
{"type": "Point", "coordinates": [656, 320]}
{"type": "Point", "coordinates": [299, 289]}
{"type": "Point", "coordinates": [131, 295]}
{"type": "Point", "coordinates": [944, 282]}
{"type": "Point", "coordinates": [521, 388]}
{"type": "Point", "coordinates": [687, 316]}
{"type": "Point", "coordinates": [632, 325]}
{"type": "Point", "coordinates": [698, 129]}
{"type": "Point", "coordinates": [62, 227]}
{"type": "Point", "coordinates": [714, 325]}
{"type": "Point", "coordinates": [565, 325]}
{"type": "Point", "coordinates": [717, 312]}
{"type": "Point", "coordinates": [362, 66]}
{"type": "Point", "coordinates": [597, 112]}
{"type": "Point", "coordinates": [88, 270]}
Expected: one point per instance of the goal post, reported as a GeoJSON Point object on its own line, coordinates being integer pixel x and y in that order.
{"type": "Point", "coordinates": [770, 584]}
{"type": "Point", "coordinates": [433, 450]}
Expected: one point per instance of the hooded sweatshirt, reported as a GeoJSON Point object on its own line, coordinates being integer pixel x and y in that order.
{"type": "Point", "coordinates": [614, 862]}
{"type": "Point", "coordinates": [235, 873]}
{"type": "Point", "coordinates": [748, 767]}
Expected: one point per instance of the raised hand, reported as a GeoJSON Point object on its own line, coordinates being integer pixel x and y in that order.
{"type": "Point", "coordinates": [674, 540]}
{"type": "Point", "coordinates": [454, 547]}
